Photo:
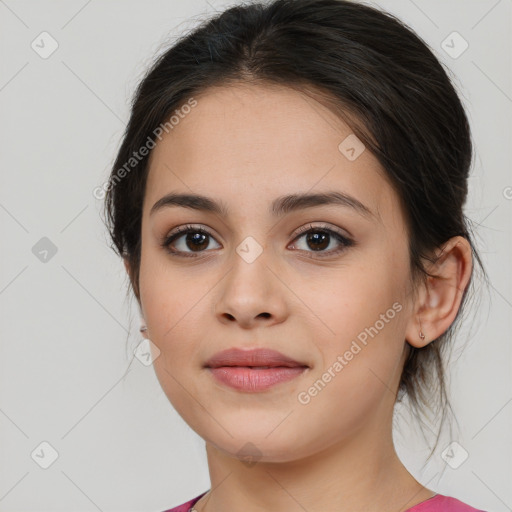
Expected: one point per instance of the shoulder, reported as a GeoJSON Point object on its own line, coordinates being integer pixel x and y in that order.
{"type": "Point", "coordinates": [184, 507]}
{"type": "Point", "coordinates": [441, 503]}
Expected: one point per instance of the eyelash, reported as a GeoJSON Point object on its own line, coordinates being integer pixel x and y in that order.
{"type": "Point", "coordinates": [343, 240]}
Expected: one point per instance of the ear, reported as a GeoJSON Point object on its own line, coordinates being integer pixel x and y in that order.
{"type": "Point", "coordinates": [440, 297]}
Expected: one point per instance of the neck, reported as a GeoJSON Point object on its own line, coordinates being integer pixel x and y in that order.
{"type": "Point", "coordinates": [352, 475]}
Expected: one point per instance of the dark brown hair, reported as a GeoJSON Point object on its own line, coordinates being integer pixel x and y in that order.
{"type": "Point", "coordinates": [372, 70]}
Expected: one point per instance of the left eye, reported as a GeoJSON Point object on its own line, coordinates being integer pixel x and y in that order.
{"type": "Point", "coordinates": [320, 238]}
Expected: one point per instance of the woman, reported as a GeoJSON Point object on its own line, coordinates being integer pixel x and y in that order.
{"type": "Point", "coordinates": [288, 201]}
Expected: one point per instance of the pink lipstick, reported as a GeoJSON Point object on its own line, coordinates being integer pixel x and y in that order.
{"type": "Point", "coordinates": [253, 370]}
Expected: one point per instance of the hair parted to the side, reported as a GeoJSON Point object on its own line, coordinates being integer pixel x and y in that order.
{"type": "Point", "coordinates": [371, 70]}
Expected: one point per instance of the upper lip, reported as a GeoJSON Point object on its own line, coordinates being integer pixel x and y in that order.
{"type": "Point", "coordinates": [253, 357]}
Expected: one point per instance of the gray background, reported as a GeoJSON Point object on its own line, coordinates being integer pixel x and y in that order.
{"type": "Point", "coordinates": [67, 373]}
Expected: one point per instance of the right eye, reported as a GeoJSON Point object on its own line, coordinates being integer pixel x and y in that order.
{"type": "Point", "coordinates": [197, 239]}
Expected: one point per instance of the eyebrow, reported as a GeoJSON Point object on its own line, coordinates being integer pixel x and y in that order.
{"type": "Point", "coordinates": [280, 206]}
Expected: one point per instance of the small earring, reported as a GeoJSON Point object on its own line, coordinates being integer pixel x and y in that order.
{"type": "Point", "coordinates": [143, 328]}
{"type": "Point", "coordinates": [422, 336]}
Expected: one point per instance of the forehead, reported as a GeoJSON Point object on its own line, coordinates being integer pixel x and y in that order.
{"type": "Point", "coordinates": [247, 144]}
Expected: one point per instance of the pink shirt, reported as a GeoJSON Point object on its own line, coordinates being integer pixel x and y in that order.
{"type": "Point", "coordinates": [438, 503]}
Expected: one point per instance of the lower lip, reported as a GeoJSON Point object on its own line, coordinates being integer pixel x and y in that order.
{"type": "Point", "coordinates": [243, 378]}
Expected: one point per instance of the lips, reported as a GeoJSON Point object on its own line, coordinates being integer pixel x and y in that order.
{"type": "Point", "coordinates": [254, 371]}
{"type": "Point", "coordinates": [259, 358]}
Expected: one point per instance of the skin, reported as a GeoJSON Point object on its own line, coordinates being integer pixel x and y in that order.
{"type": "Point", "coordinates": [246, 145]}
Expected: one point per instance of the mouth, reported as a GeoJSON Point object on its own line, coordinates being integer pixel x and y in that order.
{"type": "Point", "coordinates": [254, 370]}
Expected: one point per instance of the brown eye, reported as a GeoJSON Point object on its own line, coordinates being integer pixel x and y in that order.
{"type": "Point", "coordinates": [319, 239]}
{"type": "Point", "coordinates": [196, 241]}
{"type": "Point", "coordinates": [187, 240]}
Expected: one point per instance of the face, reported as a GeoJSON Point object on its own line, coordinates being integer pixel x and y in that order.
{"type": "Point", "coordinates": [326, 284]}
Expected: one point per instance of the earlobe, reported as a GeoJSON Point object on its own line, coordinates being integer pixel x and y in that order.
{"type": "Point", "coordinates": [439, 302]}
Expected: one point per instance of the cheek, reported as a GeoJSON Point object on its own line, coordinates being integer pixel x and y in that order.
{"type": "Point", "coordinates": [362, 318]}
{"type": "Point", "coordinates": [354, 298]}
{"type": "Point", "coordinates": [175, 307]}
{"type": "Point", "coordinates": [173, 311]}
{"type": "Point", "coordinates": [360, 362]}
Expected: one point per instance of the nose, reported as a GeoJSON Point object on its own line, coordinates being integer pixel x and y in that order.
{"type": "Point", "coordinates": [251, 295]}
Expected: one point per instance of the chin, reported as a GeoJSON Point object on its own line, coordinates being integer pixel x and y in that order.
{"type": "Point", "coordinates": [252, 445]}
